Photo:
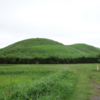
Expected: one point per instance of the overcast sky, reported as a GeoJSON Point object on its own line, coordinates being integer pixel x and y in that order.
{"type": "Point", "coordinates": [65, 21]}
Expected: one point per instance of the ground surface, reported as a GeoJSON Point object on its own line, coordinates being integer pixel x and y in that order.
{"type": "Point", "coordinates": [87, 87]}
{"type": "Point", "coordinates": [88, 79]}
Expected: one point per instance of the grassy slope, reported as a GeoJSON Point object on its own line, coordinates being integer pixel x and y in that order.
{"type": "Point", "coordinates": [45, 48]}
{"type": "Point", "coordinates": [85, 48]}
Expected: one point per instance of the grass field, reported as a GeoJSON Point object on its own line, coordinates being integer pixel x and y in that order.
{"type": "Point", "coordinates": [49, 82]}
{"type": "Point", "coordinates": [36, 82]}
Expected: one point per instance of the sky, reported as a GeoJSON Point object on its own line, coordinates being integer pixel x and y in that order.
{"type": "Point", "coordinates": [65, 21]}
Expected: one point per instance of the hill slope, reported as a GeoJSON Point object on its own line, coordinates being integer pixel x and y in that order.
{"type": "Point", "coordinates": [85, 48]}
{"type": "Point", "coordinates": [44, 48]}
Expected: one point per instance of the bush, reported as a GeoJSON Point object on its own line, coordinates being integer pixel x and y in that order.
{"type": "Point", "coordinates": [50, 60]}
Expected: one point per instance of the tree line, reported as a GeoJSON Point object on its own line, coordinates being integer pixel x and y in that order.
{"type": "Point", "coordinates": [50, 60]}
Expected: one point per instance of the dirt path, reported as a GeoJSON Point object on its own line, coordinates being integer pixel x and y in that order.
{"type": "Point", "coordinates": [97, 90]}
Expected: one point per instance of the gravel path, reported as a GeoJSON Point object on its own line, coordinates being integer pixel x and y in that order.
{"type": "Point", "coordinates": [95, 98]}
{"type": "Point", "coordinates": [97, 89]}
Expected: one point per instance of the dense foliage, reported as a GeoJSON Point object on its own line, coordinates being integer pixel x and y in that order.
{"type": "Point", "coordinates": [51, 60]}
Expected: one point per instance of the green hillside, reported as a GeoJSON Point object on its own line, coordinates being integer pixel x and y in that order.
{"type": "Point", "coordinates": [44, 48]}
{"type": "Point", "coordinates": [85, 48]}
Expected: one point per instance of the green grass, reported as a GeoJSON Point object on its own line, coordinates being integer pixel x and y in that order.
{"type": "Point", "coordinates": [85, 48]}
{"type": "Point", "coordinates": [46, 48]}
{"type": "Point", "coordinates": [87, 74]}
{"type": "Point", "coordinates": [48, 82]}
{"type": "Point", "coordinates": [23, 72]}
{"type": "Point", "coordinates": [36, 82]}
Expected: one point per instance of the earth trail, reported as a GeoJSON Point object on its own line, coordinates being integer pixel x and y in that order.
{"type": "Point", "coordinates": [97, 90]}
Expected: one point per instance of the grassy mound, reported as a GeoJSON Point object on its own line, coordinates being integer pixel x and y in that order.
{"type": "Point", "coordinates": [85, 48]}
{"type": "Point", "coordinates": [45, 48]}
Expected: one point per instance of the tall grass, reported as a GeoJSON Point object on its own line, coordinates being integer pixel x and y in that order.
{"type": "Point", "coordinates": [56, 85]}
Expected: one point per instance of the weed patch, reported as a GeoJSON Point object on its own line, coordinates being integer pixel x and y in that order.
{"type": "Point", "coordinates": [58, 86]}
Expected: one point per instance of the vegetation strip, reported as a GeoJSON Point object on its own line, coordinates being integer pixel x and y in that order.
{"type": "Point", "coordinates": [58, 86]}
